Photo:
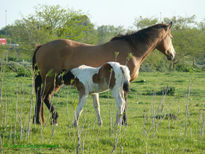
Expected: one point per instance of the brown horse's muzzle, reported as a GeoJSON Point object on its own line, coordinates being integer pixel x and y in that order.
{"type": "Point", "coordinates": [170, 57]}
{"type": "Point", "coordinates": [171, 54]}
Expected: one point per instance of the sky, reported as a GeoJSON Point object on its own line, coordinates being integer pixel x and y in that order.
{"type": "Point", "coordinates": [107, 12]}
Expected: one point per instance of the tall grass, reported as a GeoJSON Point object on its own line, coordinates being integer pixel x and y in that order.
{"type": "Point", "coordinates": [152, 127]}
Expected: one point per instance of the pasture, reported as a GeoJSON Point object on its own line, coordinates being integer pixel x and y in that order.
{"type": "Point", "coordinates": [157, 123]}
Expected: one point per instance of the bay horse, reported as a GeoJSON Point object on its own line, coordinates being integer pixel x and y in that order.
{"type": "Point", "coordinates": [53, 57]}
{"type": "Point", "coordinates": [92, 80]}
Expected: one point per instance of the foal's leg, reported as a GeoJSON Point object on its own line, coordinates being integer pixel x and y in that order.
{"type": "Point", "coordinates": [82, 99]}
{"type": "Point", "coordinates": [120, 107]}
{"type": "Point", "coordinates": [124, 119]}
{"type": "Point", "coordinates": [97, 107]}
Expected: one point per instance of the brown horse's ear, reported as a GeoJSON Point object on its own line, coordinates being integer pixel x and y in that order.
{"type": "Point", "coordinates": [37, 45]}
{"type": "Point", "coordinates": [170, 25]}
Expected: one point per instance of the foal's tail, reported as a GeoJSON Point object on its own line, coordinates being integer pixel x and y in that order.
{"type": "Point", "coordinates": [37, 82]}
{"type": "Point", "coordinates": [126, 86]}
{"type": "Point", "coordinates": [126, 77]}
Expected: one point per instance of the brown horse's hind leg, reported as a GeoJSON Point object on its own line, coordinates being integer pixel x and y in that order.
{"type": "Point", "coordinates": [51, 109]}
{"type": "Point", "coordinates": [38, 82]}
{"type": "Point", "coordinates": [50, 89]}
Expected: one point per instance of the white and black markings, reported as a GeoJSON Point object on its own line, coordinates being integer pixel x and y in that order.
{"type": "Point", "coordinates": [91, 80]}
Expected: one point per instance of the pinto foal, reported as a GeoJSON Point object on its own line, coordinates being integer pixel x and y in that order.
{"type": "Point", "coordinates": [91, 80]}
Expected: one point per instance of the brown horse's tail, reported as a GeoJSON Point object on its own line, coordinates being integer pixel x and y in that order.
{"type": "Point", "coordinates": [35, 68]}
{"type": "Point", "coordinates": [37, 83]}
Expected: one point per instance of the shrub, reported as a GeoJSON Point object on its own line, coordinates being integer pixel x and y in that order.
{"type": "Point", "coordinates": [10, 66]}
{"type": "Point", "coordinates": [146, 68]}
{"type": "Point", "coordinates": [183, 68]}
{"type": "Point", "coordinates": [167, 90]}
{"type": "Point", "coordinates": [22, 71]}
{"type": "Point", "coordinates": [21, 68]}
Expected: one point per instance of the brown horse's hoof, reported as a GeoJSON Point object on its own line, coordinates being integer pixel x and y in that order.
{"type": "Point", "coordinates": [54, 123]}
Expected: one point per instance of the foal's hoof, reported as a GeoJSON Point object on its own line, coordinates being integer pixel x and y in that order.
{"type": "Point", "coordinates": [75, 124]}
{"type": "Point", "coordinates": [124, 123]}
{"type": "Point", "coordinates": [36, 121]}
{"type": "Point", "coordinates": [54, 119]}
{"type": "Point", "coordinates": [124, 120]}
{"type": "Point", "coordinates": [54, 124]}
{"type": "Point", "coordinates": [100, 123]}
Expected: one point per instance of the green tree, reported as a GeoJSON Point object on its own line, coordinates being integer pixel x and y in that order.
{"type": "Point", "coordinates": [188, 41]}
{"type": "Point", "coordinates": [106, 32]}
{"type": "Point", "coordinates": [181, 22]}
{"type": "Point", "coordinates": [50, 23]}
{"type": "Point", "coordinates": [141, 22]}
{"type": "Point", "coordinates": [78, 27]}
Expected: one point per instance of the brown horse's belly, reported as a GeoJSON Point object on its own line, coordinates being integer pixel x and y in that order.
{"type": "Point", "coordinates": [134, 67]}
{"type": "Point", "coordinates": [49, 61]}
{"type": "Point", "coordinates": [134, 76]}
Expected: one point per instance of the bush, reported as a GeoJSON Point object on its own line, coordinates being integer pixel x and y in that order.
{"type": "Point", "coordinates": [12, 59]}
{"type": "Point", "coordinates": [188, 68]}
{"type": "Point", "coordinates": [21, 68]}
{"type": "Point", "coordinates": [10, 66]}
{"type": "Point", "coordinates": [164, 91]}
{"type": "Point", "coordinates": [167, 90]}
{"type": "Point", "coordinates": [183, 68]}
{"type": "Point", "coordinates": [22, 71]}
{"type": "Point", "coordinates": [146, 68]}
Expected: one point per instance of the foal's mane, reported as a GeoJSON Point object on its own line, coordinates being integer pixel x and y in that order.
{"type": "Point", "coordinates": [145, 35]}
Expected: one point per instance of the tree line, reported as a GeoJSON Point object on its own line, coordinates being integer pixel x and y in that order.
{"type": "Point", "coordinates": [54, 22]}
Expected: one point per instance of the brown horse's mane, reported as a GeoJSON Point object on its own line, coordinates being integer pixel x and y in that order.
{"type": "Point", "coordinates": [145, 35]}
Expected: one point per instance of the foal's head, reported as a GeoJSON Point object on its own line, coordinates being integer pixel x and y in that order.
{"type": "Point", "coordinates": [165, 45]}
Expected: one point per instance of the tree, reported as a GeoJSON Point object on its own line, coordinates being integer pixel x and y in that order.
{"type": "Point", "coordinates": [50, 23]}
{"type": "Point", "coordinates": [188, 40]}
{"type": "Point", "coordinates": [144, 22]}
{"type": "Point", "coordinates": [182, 22]}
{"type": "Point", "coordinates": [78, 27]}
{"type": "Point", "coordinates": [106, 32]}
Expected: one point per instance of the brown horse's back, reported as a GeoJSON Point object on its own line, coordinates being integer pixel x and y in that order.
{"type": "Point", "coordinates": [54, 55]}
{"type": "Point", "coordinates": [65, 54]}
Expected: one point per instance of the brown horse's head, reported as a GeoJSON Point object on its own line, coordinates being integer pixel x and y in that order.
{"type": "Point", "coordinates": [165, 45]}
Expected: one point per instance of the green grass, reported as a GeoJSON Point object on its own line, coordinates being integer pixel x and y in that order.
{"type": "Point", "coordinates": [144, 133]}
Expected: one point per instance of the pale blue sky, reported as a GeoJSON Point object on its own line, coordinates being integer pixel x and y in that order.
{"type": "Point", "coordinates": [108, 12]}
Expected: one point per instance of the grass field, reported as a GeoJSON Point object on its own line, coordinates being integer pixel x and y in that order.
{"type": "Point", "coordinates": [157, 123]}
